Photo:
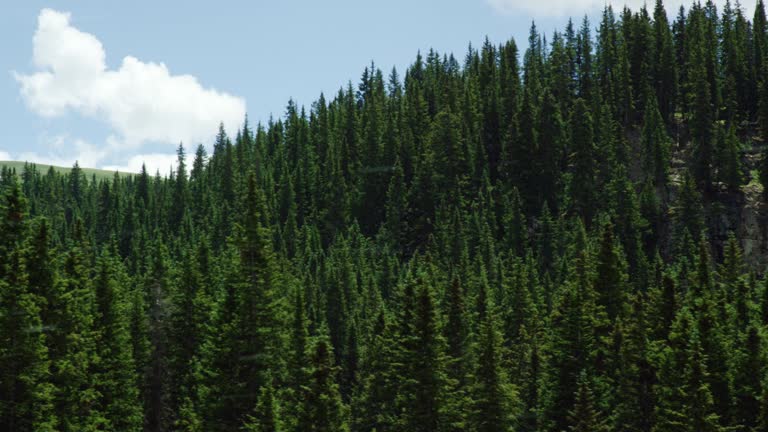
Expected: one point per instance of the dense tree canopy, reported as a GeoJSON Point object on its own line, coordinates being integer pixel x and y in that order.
{"type": "Point", "coordinates": [540, 242]}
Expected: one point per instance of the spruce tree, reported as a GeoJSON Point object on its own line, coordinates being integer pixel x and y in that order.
{"type": "Point", "coordinates": [181, 190]}
{"type": "Point", "coordinates": [610, 283]}
{"type": "Point", "coordinates": [426, 361]}
{"type": "Point", "coordinates": [375, 407]}
{"type": "Point", "coordinates": [265, 414]}
{"type": "Point", "coordinates": [571, 347]}
{"type": "Point", "coordinates": [493, 396]}
{"type": "Point", "coordinates": [76, 359]}
{"type": "Point", "coordinates": [26, 391]}
{"type": "Point", "coordinates": [583, 168]}
{"type": "Point", "coordinates": [323, 410]}
{"type": "Point", "coordinates": [748, 386]}
{"type": "Point", "coordinates": [729, 170]}
{"type": "Point", "coordinates": [665, 77]}
{"type": "Point", "coordinates": [585, 415]}
{"type": "Point", "coordinates": [117, 381]}
{"type": "Point", "coordinates": [252, 339]}
{"type": "Point", "coordinates": [656, 145]}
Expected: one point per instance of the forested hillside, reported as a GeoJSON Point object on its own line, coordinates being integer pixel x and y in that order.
{"type": "Point", "coordinates": [569, 238]}
{"type": "Point", "coordinates": [19, 166]}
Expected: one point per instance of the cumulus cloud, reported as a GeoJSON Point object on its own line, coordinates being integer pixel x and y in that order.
{"type": "Point", "coordinates": [154, 162]}
{"type": "Point", "coordinates": [63, 151]}
{"type": "Point", "coordinates": [142, 102]}
{"type": "Point", "coordinates": [580, 7]}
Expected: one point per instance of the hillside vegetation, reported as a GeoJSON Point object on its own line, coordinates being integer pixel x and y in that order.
{"type": "Point", "coordinates": [571, 238]}
{"type": "Point", "coordinates": [19, 167]}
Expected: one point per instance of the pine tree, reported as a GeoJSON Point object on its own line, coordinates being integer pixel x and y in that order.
{"type": "Point", "coordinates": [75, 355]}
{"type": "Point", "coordinates": [523, 148]}
{"type": "Point", "coordinates": [297, 359]}
{"type": "Point", "coordinates": [702, 113]}
{"type": "Point", "coordinates": [77, 184]}
{"type": "Point", "coordinates": [748, 387]}
{"type": "Point", "coordinates": [633, 375]}
{"type": "Point", "coordinates": [729, 170]}
{"type": "Point", "coordinates": [665, 77]}
{"type": "Point", "coordinates": [763, 101]}
{"type": "Point", "coordinates": [656, 144]}
{"type": "Point", "coordinates": [585, 416]}
{"type": "Point", "coordinates": [610, 282]}
{"type": "Point", "coordinates": [26, 392]}
{"type": "Point", "coordinates": [571, 347]}
{"type": "Point", "coordinates": [12, 225]}
{"type": "Point", "coordinates": [42, 273]}
{"type": "Point", "coordinates": [583, 145]}
{"type": "Point", "coordinates": [396, 206]}
{"type": "Point", "coordinates": [181, 190]}
{"type": "Point", "coordinates": [375, 406]}
{"type": "Point", "coordinates": [252, 337]}
{"type": "Point", "coordinates": [700, 410]}
{"type": "Point", "coordinates": [265, 415]}
{"type": "Point", "coordinates": [584, 63]}
{"type": "Point", "coordinates": [190, 334]}
{"type": "Point", "coordinates": [323, 410]}
{"type": "Point", "coordinates": [426, 360]}
{"type": "Point", "coordinates": [457, 331]}
{"type": "Point", "coordinates": [493, 396]}
{"type": "Point", "coordinates": [688, 212]}
{"type": "Point", "coordinates": [118, 384]}
{"type": "Point", "coordinates": [550, 152]}
{"type": "Point", "coordinates": [156, 383]}
{"type": "Point", "coordinates": [515, 226]}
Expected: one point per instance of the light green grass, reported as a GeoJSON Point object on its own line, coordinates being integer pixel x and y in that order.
{"type": "Point", "coordinates": [42, 169]}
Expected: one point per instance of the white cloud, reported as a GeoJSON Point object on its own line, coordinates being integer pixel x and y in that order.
{"type": "Point", "coordinates": [142, 102]}
{"type": "Point", "coordinates": [85, 154]}
{"type": "Point", "coordinates": [62, 151]}
{"type": "Point", "coordinates": [154, 162]}
{"type": "Point", "coordinates": [578, 8]}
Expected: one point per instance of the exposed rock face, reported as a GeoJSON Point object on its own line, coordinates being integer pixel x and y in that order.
{"type": "Point", "coordinates": [743, 213]}
{"type": "Point", "coordinates": [753, 219]}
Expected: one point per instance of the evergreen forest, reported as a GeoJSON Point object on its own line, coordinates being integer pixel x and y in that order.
{"type": "Point", "coordinates": [572, 236]}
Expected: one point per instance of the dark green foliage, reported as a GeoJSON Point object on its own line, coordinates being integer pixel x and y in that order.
{"type": "Point", "coordinates": [323, 409]}
{"type": "Point", "coordinates": [688, 213]}
{"type": "Point", "coordinates": [74, 344]}
{"type": "Point", "coordinates": [251, 343]}
{"type": "Point", "coordinates": [264, 418]}
{"type": "Point", "coordinates": [656, 145]}
{"type": "Point", "coordinates": [729, 161]}
{"type": "Point", "coordinates": [425, 363]}
{"type": "Point", "coordinates": [583, 161]}
{"type": "Point", "coordinates": [493, 244]}
{"type": "Point", "coordinates": [585, 416]}
{"type": "Point", "coordinates": [117, 381]}
{"type": "Point", "coordinates": [610, 281]}
{"type": "Point", "coordinates": [493, 396]}
{"type": "Point", "coordinates": [664, 67]}
{"type": "Point", "coordinates": [26, 392]}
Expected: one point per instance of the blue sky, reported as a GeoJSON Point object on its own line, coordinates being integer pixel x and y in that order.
{"type": "Point", "coordinates": [114, 84]}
